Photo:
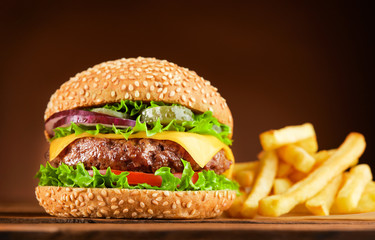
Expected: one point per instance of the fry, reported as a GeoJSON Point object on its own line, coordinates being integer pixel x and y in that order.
{"type": "Point", "coordinates": [236, 207]}
{"type": "Point", "coordinates": [367, 202]}
{"type": "Point", "coordinates": [245, 178]}
{"type": "Point", "coordinates": [284, 169]}
{"type": "Point", "coordinates": [323, 155]}
{"type": "Point", "coordinates": [351, 149]}
{"type": "Point", "coordinates": [281, 185]}
{"type": "Point", "coordinates": [263, 183]}
{"type": "Point", "coordinates": [321, 203]}
{"type": "Point", "coordinates": [309, 144]}
{"type": "Point", "coordinates": [297, 157]}
{"type": "Point", "coordinates": [349, 195]}
{"type": "Point", "coordinates": [273, 139]}
{"type": "Point", "coordinates": [297, 176]}
{"type": "Point", "coordinates": [238, 167]}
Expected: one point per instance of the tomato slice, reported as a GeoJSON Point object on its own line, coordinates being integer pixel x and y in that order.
{"type": "Point", "coordinates": [139, 177]}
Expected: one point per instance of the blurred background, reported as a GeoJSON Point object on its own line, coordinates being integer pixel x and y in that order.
{"type": "Point", "coordinates": [277, 63]}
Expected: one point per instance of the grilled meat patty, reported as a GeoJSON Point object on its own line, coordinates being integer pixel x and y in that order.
{"type": "Point", "coordinates": [141, 155]}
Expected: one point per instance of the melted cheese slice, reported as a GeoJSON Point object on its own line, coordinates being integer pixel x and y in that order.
{"type": "Point", "coordinates": [202, 148]}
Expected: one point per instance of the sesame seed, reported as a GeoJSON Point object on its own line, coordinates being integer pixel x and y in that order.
{"type": "Point", "coordinates": [158, 199]}
{"type": "Point", "coordinates": [183, 98]}
{"type": "Point", "coordinates": [113, 93]}
{"type": "Point", "coordinates": [165, 203]}
{"type": "Point", "coordinates": [189, 204]}
{"type": "Point", "coordinates": [174, 206]}
{"type": "Point", "coordinates": [178, 89]}
{"type": "Point", "coordinates": [145, 83]}
{"type": "Point", "coordinates": [114, 199]}
{"type": "Point", "coordinates": [126, 95]}
{"type": "Point", "coordinates": [139, 210]}
{"type": "Point", "coordinates": [150, 211]}
{"type": "Point", "coordinates": [105, 85]}
{"type": "Point", "coordinates": [117, 212]}
{"type": "Point", "coordinates": [136, 74]}
{"type": "Point", "coordinates": [172, 93]}
{"type": "Point", "coordinates": [136, 83]}
{"type": "Point", "coordinates": [134, 214]}
{"type": "Point", "coordinates": [152, 88]}
{"type": "Point", "coordinates": [204, 100]}
{"type": "Point", "coordinates": [142, 204]}
{"type": "Point", "coordinates": [125, 210]}
{"type": "Point", "coordinates": [155, 202]}
{"type": "Point", "coordinates": [161, 95]}
{"type": "Point", "coordinates": [102, 204]}
{"type": "Point", "coordinates": [122, 77]}
{"type": "Point", "coordinates": [136, 94]}
{"type": "Point", "coordinates": [165, 79]}
{"type": "Point", "coordinates": [108, 76]}
{"type": "Point", "coordinates": [99, 198]}
{"type": "Point", "coordinates": [104, 193]}
{"type": "Point", "coordinates": [167, 212]}
{"type": "Point", "coordinates": [105, 212]}
{"type": "Point", "coordinates": [148, 95]}
{"type": "Point", "coordinates": [130, 87]}
{"type": "Point", "coordinates": [123, 87]}
{"type": "Point", "coordinates": [131, 201]}
{"type": "Point", "coordinates": [121, 202]}
{"type": "Point", "coordinates": [195, 88]}
{"type": "Point", "coordinates": [114, 207]}
{"type": "Point", "coordinates": [165, 90]}
{"type": "Point", "coordinates": [179, 194]}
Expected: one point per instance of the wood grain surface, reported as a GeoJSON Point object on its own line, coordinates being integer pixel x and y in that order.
{"type": "Point", "coordinates": [30, 222]}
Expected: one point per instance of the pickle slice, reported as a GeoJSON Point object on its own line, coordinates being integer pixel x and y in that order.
{"type": "Point", "coordinates": [166, 114]}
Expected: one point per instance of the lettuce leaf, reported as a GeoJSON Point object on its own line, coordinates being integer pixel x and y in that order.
{"type": "Point", "coordinates": [68, 176]}
{"type": "Point", "coordinates": [203, 124]}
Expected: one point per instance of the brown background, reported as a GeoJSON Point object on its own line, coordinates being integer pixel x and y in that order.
{"type": "Point", "coordinates": [277, 63]}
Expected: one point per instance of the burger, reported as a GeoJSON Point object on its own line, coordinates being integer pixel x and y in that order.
{"type": "Point", "coordinates": [137, 138]}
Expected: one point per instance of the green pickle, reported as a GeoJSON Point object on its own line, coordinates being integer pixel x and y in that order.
{"type": "Point", "coordinates": [166, 114]}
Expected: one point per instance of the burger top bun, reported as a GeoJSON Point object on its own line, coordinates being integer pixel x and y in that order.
{"type": "Point", "coordinates": [146, 79]}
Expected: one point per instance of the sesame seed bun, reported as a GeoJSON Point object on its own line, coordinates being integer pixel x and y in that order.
{"type": "Point", "coordinates": [146, 79]}
{"type": "Point", "coordinates": [125, 203]}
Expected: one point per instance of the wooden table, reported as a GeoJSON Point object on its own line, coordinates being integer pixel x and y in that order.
{"type": "Point", "coordinates": [22, 221]}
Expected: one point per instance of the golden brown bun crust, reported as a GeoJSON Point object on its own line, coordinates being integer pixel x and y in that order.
{"type": "Point", "coordinates": [146, 79]}
{"type": "Point", "coordinates": [125, 203]}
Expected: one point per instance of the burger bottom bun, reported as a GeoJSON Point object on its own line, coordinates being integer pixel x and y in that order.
{"type": "Point", "coordinates": [126, 203]}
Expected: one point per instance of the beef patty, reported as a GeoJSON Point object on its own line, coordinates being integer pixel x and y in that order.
{"type": "Point", "coordinates": [142, 155]}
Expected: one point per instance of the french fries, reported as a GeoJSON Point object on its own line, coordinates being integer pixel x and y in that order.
{"type": "Point", "coordinates": [245, 178]}
{"type": "Point", "coordinates": [350, 193]}
{"type": "Point", "coordinates": [292, 176]}
{"type": "Point", "coordinates": [297, 157]}
{"type": "Point", "coordinates": [277, 205]}
{"type": "Point", "coordinates": [309, 144]}
{"type": "Point", "coordinates": [273, 139]}
{"type": "Point", "coordinates": [323, 155]}
{"type": "Point", "coordinates": [321, 203]}
{"type": "Point", "coordinates": [263, 183]}
{"type": "Point", "coordinates": [281, 185]}
{"type": "Point", "coordinates": [284, 169]}
{"type": "Point", "coordinates": [367, 201]}
{"type": "Point", "coordinates": [238, 167]}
